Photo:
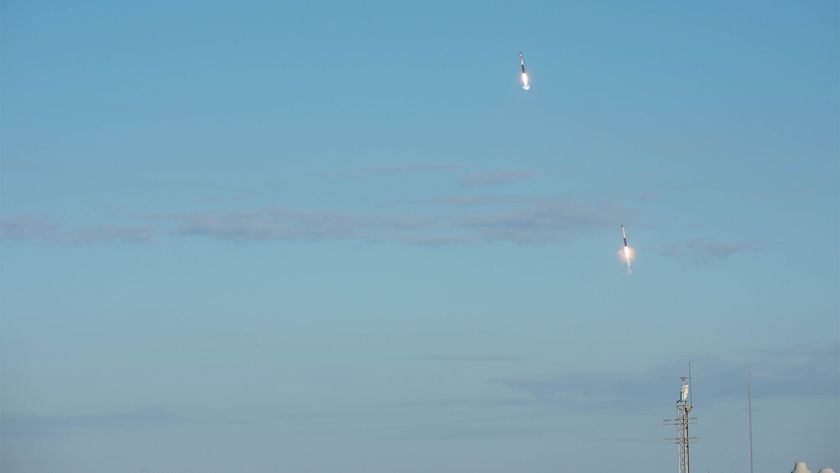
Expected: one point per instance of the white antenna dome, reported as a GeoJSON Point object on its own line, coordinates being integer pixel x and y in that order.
{"type": "Point", "coordinates": [800, 467]}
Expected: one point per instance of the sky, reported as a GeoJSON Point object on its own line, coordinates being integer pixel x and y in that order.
{"type": "Point", "coordinates": [339, 237]}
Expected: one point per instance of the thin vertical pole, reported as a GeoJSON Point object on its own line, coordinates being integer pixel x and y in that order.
{"type": "Point", "coordinates": [687, 459]}
{"type": "Point", "coordinates": [690, 387]}
{"type": "Point", "coordinates": [749, 415]}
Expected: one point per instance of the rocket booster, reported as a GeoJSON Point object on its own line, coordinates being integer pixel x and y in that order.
{"type": "Point", "coordinates": [524, 76]}
{"type": "Point", "coordinates": [626, 252]}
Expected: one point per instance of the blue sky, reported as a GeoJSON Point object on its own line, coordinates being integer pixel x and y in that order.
{"type": "Point", "coordinates": [323, 236]}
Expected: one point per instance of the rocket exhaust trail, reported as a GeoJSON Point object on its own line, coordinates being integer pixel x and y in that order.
{"type": "Point", "coordinates": [525, 82]}
{"type": "Point", "coordinates": [627, 258]}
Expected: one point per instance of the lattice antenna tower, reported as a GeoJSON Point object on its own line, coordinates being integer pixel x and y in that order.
{"type": "Point", "coordinates": [681, 422]}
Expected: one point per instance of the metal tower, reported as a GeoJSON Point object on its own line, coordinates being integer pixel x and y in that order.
{"type": "Point", "coordinates": [681, 422]}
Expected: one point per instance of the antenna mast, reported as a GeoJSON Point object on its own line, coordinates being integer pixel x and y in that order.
{"type": "Point", "coordinates": [690, 387]}
{"type": "Point", "coordinates": [749, 415]}
{"type": "Point", "coordinates": [681, 422]}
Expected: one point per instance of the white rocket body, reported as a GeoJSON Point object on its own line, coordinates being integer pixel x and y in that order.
{"type": "Point", "coordinates": [525, 81]}
{"type": "Point", "coordinates": [627, 253]}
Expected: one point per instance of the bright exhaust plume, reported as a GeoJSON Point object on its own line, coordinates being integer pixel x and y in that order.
{"type": "Point", "coordinates": [627, 255]}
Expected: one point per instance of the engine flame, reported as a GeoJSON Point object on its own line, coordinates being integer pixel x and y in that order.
{"type": "Point", "coordinates": [627, 255]}
{"type": "Point", "coordinates": [525, 84]}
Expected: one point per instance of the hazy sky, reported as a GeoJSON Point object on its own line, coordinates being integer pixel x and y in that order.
{"type": "Point", "coordinates": [339, 237]}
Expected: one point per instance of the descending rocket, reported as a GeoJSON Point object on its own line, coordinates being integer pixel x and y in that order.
{"type": "Point", "coordinates": [627, 252]}
{"type": "Point", "coordinates": [525, 84]}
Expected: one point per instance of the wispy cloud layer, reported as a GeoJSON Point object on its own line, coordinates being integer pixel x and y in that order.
{"type": "Point", "coordinates": [292, 225]}
{"type": "Point", "coordinates": [706, 250]}
{"type": "Point", "coordinates": [803, 371]}
{"type": "Point", "coordinates": [43, 424]}
{"type": "Point", "coordinates": [465, 179]}
{"type": "Point", "coordinates": [465, 403]}
{"type": "Point", "coordinates": [471, 358]}
{"type": "Point", "coordinates": [415, 168]}
{"type": "Point", "coordinates": [479, 200]}
{"type": "Point", "coordinates": [549, 222]}
{"type": "Point", "coordinates": [28, 228]}
{"type": "Point", "coordinates": [540, 224]}
{"type": "Point", "coordinates": [494, 178]}
{"type": "Point", "coordinates": [807, 371]}
{"type": "Point", "coordinates": [536, 222]}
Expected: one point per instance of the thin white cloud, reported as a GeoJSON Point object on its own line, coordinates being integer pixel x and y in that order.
{"type": "Point", "coordinates": [803, 371]}
{"type": "Point", "coordinates": [535, 221]}
{"type": "Point", "coordinates": [410, 168]}
{"type": "Point", "coordinates": [542, 223]}
{"type": "Point", "coordinates": [494, 178]}
{"type": "Point", "coordinates": [471, 358]}
{"type": "Point", "coordinates": [479, 200]}
{"type": "Point", "coordinates": [706, 250]}
{"type": "Point", "coordinates": [29, 228]}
